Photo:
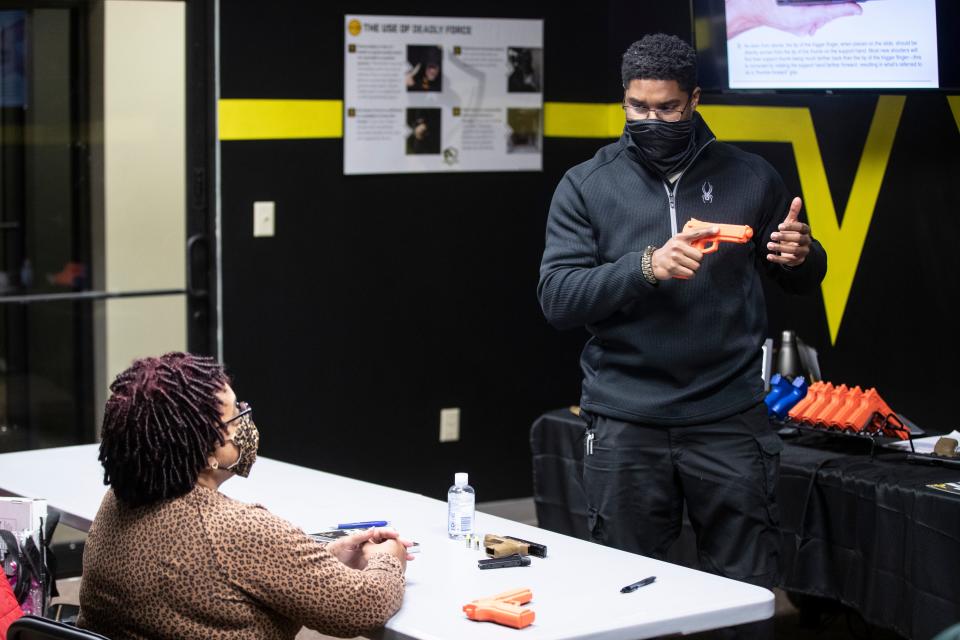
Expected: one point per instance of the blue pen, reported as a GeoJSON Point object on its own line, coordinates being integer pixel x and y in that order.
{"type": "Point", "coordinates": [363, 525]}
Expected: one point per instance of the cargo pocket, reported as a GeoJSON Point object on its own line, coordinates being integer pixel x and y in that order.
{"type": "Point", "coordinates": [595, 525]}
{"type": "Point", "coordinates": [770, 446]}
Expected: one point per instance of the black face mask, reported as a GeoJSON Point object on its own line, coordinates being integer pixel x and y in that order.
{"type": "Point", "coordinates": [663, 147]}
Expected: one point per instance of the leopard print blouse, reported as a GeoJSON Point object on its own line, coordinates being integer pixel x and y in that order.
{"type": "Point", "coordinates": [207, 566]}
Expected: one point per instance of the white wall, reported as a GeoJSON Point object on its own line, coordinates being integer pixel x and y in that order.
{"type": "Point", "coordinates": [144, 165]}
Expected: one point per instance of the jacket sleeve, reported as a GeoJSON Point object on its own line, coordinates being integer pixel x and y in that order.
{"type": "Point", "coordinates": [803, 279]}
{"type": "Point", "coordinates": [289, 572]}
{"type": "Point", "coordinates": [575, 289]}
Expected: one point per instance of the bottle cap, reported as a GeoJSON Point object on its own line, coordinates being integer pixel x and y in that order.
{"type": "Point", "coordinates": [460, 479]}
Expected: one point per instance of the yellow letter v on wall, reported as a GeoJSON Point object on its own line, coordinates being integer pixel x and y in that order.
{"type": "Point", "coordinates": [794, 125]}
{"type": "Point", "coordinates": [955, 107]}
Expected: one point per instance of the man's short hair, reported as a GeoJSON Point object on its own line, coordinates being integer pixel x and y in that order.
{"type": "Point", "coordinates": [659, 56]}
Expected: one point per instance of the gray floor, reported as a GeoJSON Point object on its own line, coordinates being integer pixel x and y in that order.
{"type": "Point", "coordinates": [820, 620]}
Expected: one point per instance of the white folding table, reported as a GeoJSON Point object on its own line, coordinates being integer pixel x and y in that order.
{"type": "Point", "coordinates": [576, 589]}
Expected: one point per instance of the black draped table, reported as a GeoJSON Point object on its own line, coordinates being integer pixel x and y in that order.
{"type": "Point", "coordinates": [858, 528]}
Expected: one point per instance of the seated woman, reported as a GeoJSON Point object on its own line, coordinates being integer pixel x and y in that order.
{"type": "Point", "coordinates": [169, 556]}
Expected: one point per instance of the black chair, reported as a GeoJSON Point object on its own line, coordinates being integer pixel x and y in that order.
{"type": "Point", "coordinates": [34, 628]}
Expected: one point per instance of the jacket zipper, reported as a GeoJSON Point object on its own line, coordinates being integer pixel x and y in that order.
{"type": "Point", "coordinates": [672, 195]}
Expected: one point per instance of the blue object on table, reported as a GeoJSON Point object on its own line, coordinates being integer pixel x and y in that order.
{"type": "Point", "coordinates": [794, 394]}
{"type": "Point", "coordinates": [779, 385]}
{"type": "Point", "coordinates": [363, 525]}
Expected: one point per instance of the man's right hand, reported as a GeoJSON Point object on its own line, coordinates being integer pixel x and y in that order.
{"type": "Point", "coordinates": [678, 258]}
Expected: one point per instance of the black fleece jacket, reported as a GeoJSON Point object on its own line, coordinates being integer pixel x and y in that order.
{"type": "Point", "coordinates": [684, 351]}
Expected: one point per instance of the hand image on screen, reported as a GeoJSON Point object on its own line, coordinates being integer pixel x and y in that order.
{"type": "Point", "coordinates": [743, 15]}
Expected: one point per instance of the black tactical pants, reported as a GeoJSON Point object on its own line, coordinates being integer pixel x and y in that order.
{"type": "Point", "coordinates": [638, 477]}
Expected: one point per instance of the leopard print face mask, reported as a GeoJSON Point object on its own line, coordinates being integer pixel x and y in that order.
{"type": "Point", "coordinates": [247, 439]}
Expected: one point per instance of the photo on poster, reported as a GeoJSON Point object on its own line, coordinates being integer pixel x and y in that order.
{"type": "Point", "coordinates": [526, 70]}
{"type": "Point", "coordinates": [425, 68]}
{"type": "Point", "coordinates": [523, 130]}
{"type": "Point", "coordinates": [424, 135]}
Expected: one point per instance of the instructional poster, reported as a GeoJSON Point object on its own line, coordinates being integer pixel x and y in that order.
{"type": "Point", "coordinates": [427, 94]}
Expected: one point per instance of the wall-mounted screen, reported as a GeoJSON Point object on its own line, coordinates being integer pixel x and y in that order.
{"type": "Point", "coordinates": [825, 44]}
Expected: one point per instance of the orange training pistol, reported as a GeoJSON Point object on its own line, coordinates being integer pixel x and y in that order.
{"type": "Point", "coordinates": [739, 233]}
{"type": "Point", "coordinates": [504, 608]}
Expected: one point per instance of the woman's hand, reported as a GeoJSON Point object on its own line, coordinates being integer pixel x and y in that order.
{"type": "Point", "coordinates": [393, 546]}
{"type": "Point", "coordinates": [354, 550]}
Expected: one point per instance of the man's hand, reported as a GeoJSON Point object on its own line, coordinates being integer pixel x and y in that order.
{"type": "Point", "coordinates": [792, 241]}
{"type": "Point", "coordinates": [678, 258]}
{"type": "Point", "coordinates": [743, 15]}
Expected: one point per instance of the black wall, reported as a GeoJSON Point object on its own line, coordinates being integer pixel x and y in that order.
{"type": "Point", "coordinates": [383, 299]}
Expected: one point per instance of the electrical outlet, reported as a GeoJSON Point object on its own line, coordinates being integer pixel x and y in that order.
{"type": "Point", "coordinates": [263, 219]}
{"type": "Point", "coordinates": [450, 424]}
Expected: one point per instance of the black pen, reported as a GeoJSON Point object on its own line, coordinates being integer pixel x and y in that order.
{"type": "Point", "coordinates": [630, 588]}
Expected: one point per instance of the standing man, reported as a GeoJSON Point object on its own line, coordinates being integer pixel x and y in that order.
{"type": "Point", "coordinates": [672, 388]}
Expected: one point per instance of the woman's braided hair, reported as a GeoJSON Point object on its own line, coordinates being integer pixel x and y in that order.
{"type": "Point", "coordinates": [161, 422]}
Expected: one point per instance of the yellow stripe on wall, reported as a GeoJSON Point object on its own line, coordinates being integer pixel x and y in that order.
{"type": "Point", "coordinates": [582, 120]}
{"type": "Point", "coordinates": [305, 119]}
{"type": "Point", "coordinates": [280, 119]}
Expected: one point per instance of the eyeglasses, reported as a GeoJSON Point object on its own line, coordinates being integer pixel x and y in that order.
{"type": "Point", "coordinates": [642, 113]}
{"type": "Point", "coordinates": [246, 411]}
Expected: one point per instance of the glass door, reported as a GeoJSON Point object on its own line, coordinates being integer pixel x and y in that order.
{"type": "Point", "coordinates": [93, 216]}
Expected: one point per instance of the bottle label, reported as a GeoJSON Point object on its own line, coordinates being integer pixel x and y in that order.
{"type": "Point", "coordinates": [460, 514]}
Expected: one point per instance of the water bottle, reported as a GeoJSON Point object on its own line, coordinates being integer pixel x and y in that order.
{"type": "Point", "coordinates": [460, 501]}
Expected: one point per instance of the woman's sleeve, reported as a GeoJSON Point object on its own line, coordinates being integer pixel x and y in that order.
{"type": "Point", "coordinates": [287, 571]}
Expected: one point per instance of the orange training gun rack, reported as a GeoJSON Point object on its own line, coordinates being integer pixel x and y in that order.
{"type": "Point", "coordinates": [851, 411]}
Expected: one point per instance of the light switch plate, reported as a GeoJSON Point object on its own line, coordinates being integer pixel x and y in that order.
{"type": "Point", "coordinates": [263, 219]}
{"type": "Point", "coordinates": [450, 424]}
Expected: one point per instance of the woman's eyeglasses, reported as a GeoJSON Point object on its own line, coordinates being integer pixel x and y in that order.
{"type": "Point", "coordinates": [245, 410]}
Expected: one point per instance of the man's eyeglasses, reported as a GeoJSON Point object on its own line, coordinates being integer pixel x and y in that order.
{"type": "Point", "coordinates": [245, 411]}
{"type": "Point", "coordinates": [643, 112]}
